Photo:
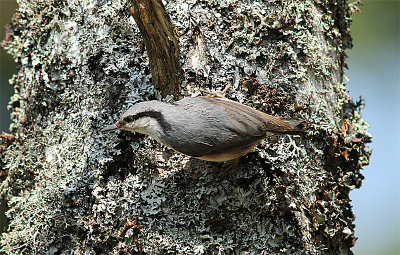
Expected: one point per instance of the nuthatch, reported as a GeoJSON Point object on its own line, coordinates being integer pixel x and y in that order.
{"type": "Point", "coordinates": [208, 128]}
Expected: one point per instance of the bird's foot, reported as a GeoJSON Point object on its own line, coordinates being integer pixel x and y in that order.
{"type": "Point", "coordinates": [217, 93]}
{"type": "Point", "coordinates": [229, 169]}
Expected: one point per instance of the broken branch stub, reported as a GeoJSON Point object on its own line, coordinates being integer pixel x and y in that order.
{"type": "Point", "coordinates": [162, 44]}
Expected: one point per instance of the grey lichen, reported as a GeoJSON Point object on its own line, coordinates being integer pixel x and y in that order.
{"type": "Point", "coordinates": [83, 62]}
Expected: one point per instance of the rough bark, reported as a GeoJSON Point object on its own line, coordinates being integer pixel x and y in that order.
{"type": "Point", "coordinates": [70, 188]}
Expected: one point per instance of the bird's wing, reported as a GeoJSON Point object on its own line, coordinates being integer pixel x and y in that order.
{"type": "Point", "coordinates": [230, 125]}
{"type": "Point", "coordinates": [245, 120]}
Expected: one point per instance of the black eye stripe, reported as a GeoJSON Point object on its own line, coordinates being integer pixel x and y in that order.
{"type": "Point", "coordinates": [153, 114]}
{"type": "Point", "coordinates": [128, 119]}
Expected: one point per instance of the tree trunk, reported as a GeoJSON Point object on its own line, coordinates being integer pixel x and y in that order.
{"type": "Point", "coordinates": [71, 189]}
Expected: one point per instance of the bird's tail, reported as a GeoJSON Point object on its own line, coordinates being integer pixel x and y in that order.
{"type": "Point", "coordinates": [299, 126]}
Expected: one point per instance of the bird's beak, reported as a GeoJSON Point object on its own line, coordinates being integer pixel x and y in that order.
{"type": "Point", "coordinates": [110, 128]}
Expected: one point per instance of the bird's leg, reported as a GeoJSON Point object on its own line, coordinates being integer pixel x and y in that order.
{"type": "Point", "coordinates": [225, 89]}
{"type": "Point", "coordinates": [229, 169]}
{"type": "Point", "coordinates": [217, 93]}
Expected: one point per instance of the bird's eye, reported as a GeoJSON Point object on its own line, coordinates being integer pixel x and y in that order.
{"type": "Point", "coordinates": [128, 119]}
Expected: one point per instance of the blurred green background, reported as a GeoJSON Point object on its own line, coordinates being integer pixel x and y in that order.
{"type": "Point", "coordinates": [374, 73]}
{"type": "Point", "coordinates": [7, 65]}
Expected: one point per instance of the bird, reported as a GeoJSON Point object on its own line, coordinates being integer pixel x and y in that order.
{"type": "Point", "coordinates": [211, 128]}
